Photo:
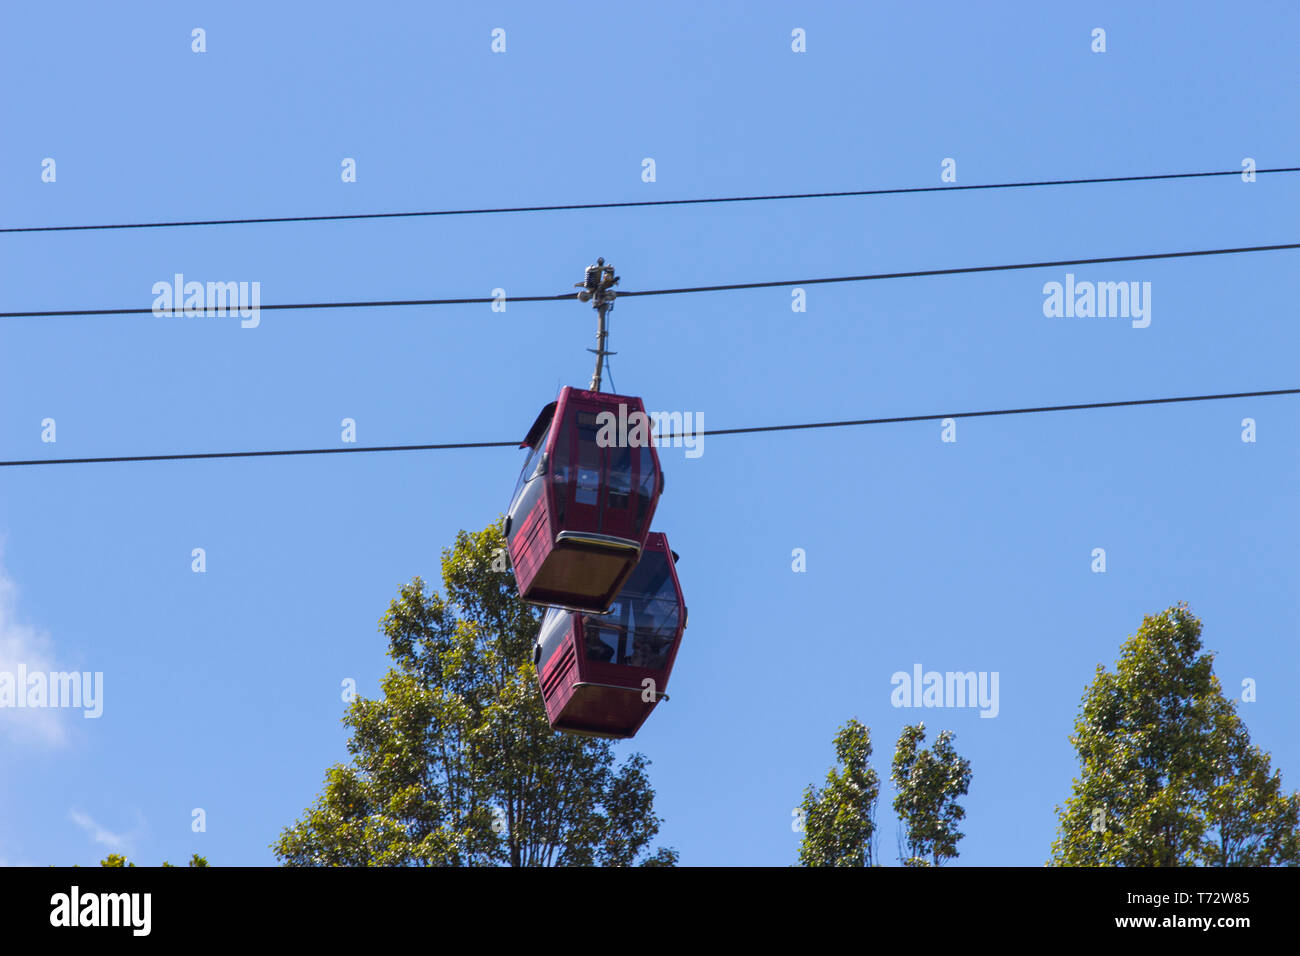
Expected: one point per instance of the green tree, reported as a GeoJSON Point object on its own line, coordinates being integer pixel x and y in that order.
{"type": "Point", "coordinates": [118, 860]}
{"type": "Point", "coordinates": [1168, 774]}
{"type": "Point", "coordinates": [928, 784]}
{"type": "Point", "coordinates": [839, 820]}
{"type": "Point", "coordinates": [456, 764]}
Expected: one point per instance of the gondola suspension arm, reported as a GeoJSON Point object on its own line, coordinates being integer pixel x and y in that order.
{"type": "Point", "coordinates": [598, 288]}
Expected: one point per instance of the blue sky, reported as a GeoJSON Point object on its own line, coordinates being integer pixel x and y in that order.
{"type": "Point", "coordinates": [222, 689]}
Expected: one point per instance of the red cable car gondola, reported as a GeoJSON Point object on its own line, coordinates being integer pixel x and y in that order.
{"type": "Point", "coordinates": [581, 510]}
{"type": "Point", "coordinates": [602, 674]}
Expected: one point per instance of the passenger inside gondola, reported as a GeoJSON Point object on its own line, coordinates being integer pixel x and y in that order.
{"type": "Point", "coordinates": [602, 643]}
{"type": "Point", "coordinates": [639, 629]}
{"type": "Point", "coordinates": [649, 649]}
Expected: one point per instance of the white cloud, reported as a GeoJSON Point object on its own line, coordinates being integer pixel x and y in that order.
{"type": "Point", "coordinates": [97, 833]}
{"type": "Point", "coordinates": [20, 644]}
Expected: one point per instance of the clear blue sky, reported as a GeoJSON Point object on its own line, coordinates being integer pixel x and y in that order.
{"type": "Point", "coordinates": [222, 690]}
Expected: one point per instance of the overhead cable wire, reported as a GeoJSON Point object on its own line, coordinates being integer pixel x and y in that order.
{"type": "Point", "coordinates": [966, 270]}
{"type": "Point", "coordinates": [561, 207]}
{"type": "Point", "coordinates": [659, 439]}
{"type": "Point", "coordinates": [733, 286]}
{"type": "Point", "coordinates": [233, 309]}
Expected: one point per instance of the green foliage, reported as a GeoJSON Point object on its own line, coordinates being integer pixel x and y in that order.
{"type": "Point", "coordinates": [1168, 774]}
{"type": "Point", "coordinates": [928, 784]}
{"type": "Point", "coordinates": [839, 820]}
{"type": "Point", "coordinates": [456, 765]}
{"type": "Point", "coordinates": [117, 859]}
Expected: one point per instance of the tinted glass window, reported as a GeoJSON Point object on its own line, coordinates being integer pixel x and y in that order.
{"type": "Point", "coordinates": [639, 629]}
{"type": "Point", "coordinates": [589, 455]}
{"type": "Point", "coordinates": [530, 463]}
{"type": "Point", "coordinates": [647, 484]}
{"type": "Point", "coordinates": [620, 477]}
{"type": "Point", "coordinates": [555, 628]}
{"type": "Point", "coordinates": [529, 487]}
{"type": "Point", "coordinates": [560, 472]}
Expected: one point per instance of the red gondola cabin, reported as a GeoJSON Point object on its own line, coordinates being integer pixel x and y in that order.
{"type": "Point", "coordinates": [582, 507]}
{"type": "Point", "coordinates": [593, 668]}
